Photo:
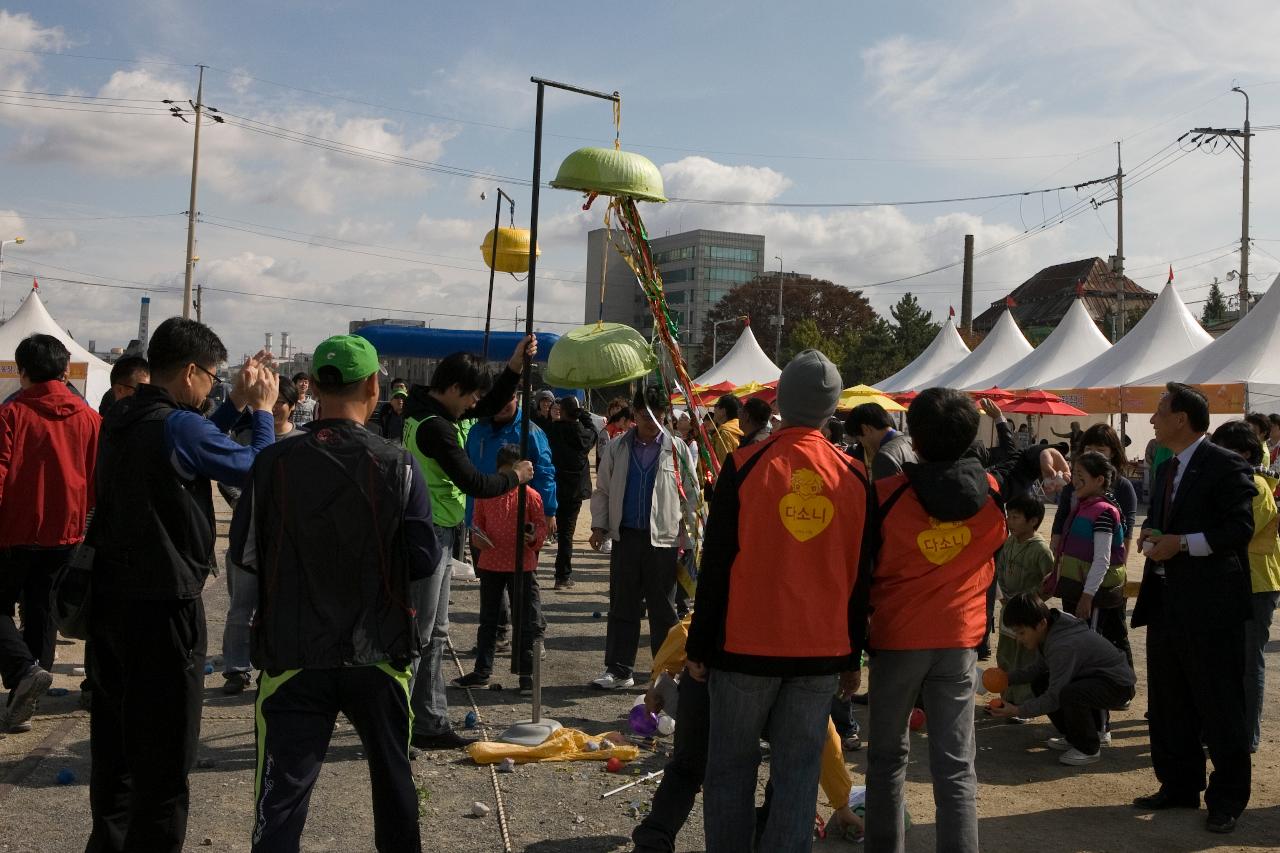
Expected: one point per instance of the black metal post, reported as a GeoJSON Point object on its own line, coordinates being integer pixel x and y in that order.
{"type": "Point", "coordinates": [493, 262]}
{"type": "Point", "coordinates": [517, 588]}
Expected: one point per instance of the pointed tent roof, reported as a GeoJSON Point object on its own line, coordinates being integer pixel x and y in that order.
{"type": "Point", "coordinates": [1005, 345]}
{"type": "Point", "coordinates": [945, 352]}
{"type": "Point", "coordinates": [744, 363]}
{"type": "Point", "coordinates": [1076, 341]}
{"type": "Point", "coordinates": [33, 318]}
{"type": "Point", "coordinates": [1166, 334]}
{"type": "Point", "coordinates": [1249, 353]}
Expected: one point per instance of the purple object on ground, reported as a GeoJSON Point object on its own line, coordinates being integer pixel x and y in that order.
{"type": "Point", "coordinates": [642, 722]}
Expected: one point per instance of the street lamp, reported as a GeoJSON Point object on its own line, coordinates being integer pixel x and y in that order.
{"type": "Point", "coordinates": [16, 240]}
{"type": "Point", "coordinates": [777, 347]}
{"type": "Point", "coordinates": [715, 332]}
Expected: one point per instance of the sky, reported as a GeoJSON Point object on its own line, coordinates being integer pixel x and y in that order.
{"type": "Point", "coordinates": [786, 104]}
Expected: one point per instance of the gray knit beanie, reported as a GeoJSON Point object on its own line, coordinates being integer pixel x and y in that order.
{"type": "Point", "coordinates": [809, 389]}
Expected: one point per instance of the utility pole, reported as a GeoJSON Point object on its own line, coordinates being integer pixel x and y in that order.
{"type": "Point", "coordinates": [191, 210]}
{"type": "Point", "coordinates": [1118, 269]}
{"type": "Point", "coordinates": [777, 347]}
{"type": "Point", "coordinates": [1204, 134]}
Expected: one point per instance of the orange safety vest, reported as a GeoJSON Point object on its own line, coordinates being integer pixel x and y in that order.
{"type": "Point", "coordinates": [803, 507]}
{"type": "Point", "coordinates": [929, 590]}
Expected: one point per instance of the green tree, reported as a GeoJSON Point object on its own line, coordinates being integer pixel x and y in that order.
{"type": "Point", "coordinates": [1215, 307]}
{"type": "Point", "coordinates": [873, 354]}
{"type": "Point", "coordinates": [913, 327]}
{"type": "Point", "coordinates": [805, 334]}
{"type": "Point", "coordinates": [834, 309]}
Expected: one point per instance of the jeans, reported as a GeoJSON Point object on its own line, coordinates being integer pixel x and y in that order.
{"type": "Point", "coordinates": [1082, 708]}
{"type": "Point", "coordinates": [26, 578]}
{"type": "Point", "coordinates": [243, 587]}
{"type": "Point", "coordinates": [640, 575]}
{"type": "Point", "coordinates": [494, 587]}
{"type": "Point", "coordinates": [1256, 635]}
{"type": "Point", "coordinates": [842, 716]}
{"type": "Point", "coordinates": [947, 679]}
{"type": "Point", "coordinates": [794, 710]}
{"type": "Point", "coordinates": [682, 779]}
{"type": "Point", "coordinates": [566, 524]}
{"type": "Point", "coordinates": [431, 599]}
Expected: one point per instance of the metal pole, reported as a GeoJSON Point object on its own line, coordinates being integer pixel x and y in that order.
{"type": "Point", "coordinates": [493, 262]}
{"type": "Point", "coordinates": [1119, 270]}
{"type": "Point", "coordinates": [191, 208]}
{"type": "Point", "coordinates": [517, 588]}
{"type": "Point", "coordinates": [199, 303]}
{"type": "Point", "coordinates": [1244, 214]}
{"type": "Point", "coordinates": [777, 347]}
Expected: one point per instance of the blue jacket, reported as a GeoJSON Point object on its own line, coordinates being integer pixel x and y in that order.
{"type": "Point", "coordinates": [487, 438]}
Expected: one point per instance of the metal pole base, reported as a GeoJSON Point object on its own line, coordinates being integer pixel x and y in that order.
{"type": "Point", "coordinates": [535, 731]}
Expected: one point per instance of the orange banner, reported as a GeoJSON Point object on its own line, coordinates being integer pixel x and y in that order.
{"type": "Point", "coordinates": [1224, 399]}
{"type": "Point", "coordinates": [75, 370]}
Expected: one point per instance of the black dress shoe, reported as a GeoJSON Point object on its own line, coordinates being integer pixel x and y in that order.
{"type": "Point", "coordinates": [1220, 822]}
{"type": "Point", "coordinates": [444, 740]}
{"type": "Point", "coordinates": [1162, 799]}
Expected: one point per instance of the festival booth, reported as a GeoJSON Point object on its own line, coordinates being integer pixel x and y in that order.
{"type": "Point", "coordinates": [745, 362]}
{"type": "Point", "coordinates": [90, 375]}
{"type": "Point", "coordinates": [1237, 372]}
{"type": "Point", "coordinates": [1005, 345]}
{"type": "Point", "coordinates": [945, 351]}
{"type": "Point", "coordinates": [1075, 342]}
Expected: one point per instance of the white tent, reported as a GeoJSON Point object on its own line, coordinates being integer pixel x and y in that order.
{"type": "Point", "coordinates": [1248, 353]}
{"type": "Point", "coordinates": [945, 352]}
{"type": "Point", "coordinates": [1166, 334]}
{"type": "Point", "coordinates": [1076, 341]}
{"type": "Point", "coordinates": [744, 363]}
{"type": "Point", "coordinates": [1003, 346]}
{"type": "Point", "coordinates": [33, 318]}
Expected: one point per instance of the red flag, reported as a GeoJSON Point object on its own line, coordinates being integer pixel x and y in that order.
{"type": "Point", "coordinates": [1009, 301]}
{"type": "Point", "coordinates": [953, 310]}
{"type": "Point", "coordinates": [1080, 289]}
{"type": "Point", "coordinates": [1170, 273]}
{"type": "Point", "coordinates": [35, 284]}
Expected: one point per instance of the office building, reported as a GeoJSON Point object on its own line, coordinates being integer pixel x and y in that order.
{"type": "Point", "coordinates": [698, 269]}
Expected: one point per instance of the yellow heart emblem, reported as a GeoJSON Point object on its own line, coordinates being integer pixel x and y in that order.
{"type": "Point", "coordinates": [805, 511]}
{"type": "Point", "coordinates": [943, 541]}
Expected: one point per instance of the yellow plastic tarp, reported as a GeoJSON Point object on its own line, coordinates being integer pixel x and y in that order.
{"type": "Point", "coordinates": [563, 745]}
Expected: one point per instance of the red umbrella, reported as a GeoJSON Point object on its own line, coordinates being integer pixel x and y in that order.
{"type": "Point", "coordinates": [1041, 403]}
{"type": "Point", "coordinates": [994, 394]}
{"type": "Point", "coordinates": [904, 398]}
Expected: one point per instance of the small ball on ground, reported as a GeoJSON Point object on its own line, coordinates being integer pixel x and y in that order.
{"type": "Point", "coordinates": [208, 669]}
{"type": "Point", "coordinates": [595, 614]}
{"type": "Point", "coordinates": [916, 721]}
{"type": "Point", "coordinates": [470, 720]}
{"type": "Point", "coordinates": [495, 686]}
{"type": "Point", "coordinates": [66, 776]}
{"type": "Point", "coordinates": [613, 765]}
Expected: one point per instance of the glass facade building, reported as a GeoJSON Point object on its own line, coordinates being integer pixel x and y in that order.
{"type": "Point", "coordinates": [698, 269]}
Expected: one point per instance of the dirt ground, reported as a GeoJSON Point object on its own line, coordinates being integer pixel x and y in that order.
{"type": "Point", "coordinates": [1027, 801]}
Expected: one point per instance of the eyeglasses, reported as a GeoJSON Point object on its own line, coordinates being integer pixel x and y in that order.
{"type": "Point", "coordinates": [216, 380]}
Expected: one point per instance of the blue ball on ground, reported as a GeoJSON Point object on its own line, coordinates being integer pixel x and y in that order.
{"type": "Point", "coordinates": [208, 669]}
{"type": "Point", "coordinates": [595, 615]}
{"type": "Point", "coordinates": [470, 720]}
{"type": "Point", "coordinates": [66, 776]}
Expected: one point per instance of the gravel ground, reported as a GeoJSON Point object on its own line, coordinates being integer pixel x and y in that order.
{"type": "Point", "coordinates": [1026, 800]}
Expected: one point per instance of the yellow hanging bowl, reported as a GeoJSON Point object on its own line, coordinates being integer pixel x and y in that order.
{"type": "Point", "coordinates": [599, 356]}
{"type": "Point", "coordinates": [513, 250]}
{"type": "Point", "coordinates": [608, 171]}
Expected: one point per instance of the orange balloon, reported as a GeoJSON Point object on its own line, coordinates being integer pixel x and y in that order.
{"type": "Point", "coordinates": [996, 703]}
{"type": "Point", "coordinates": [995, 680]}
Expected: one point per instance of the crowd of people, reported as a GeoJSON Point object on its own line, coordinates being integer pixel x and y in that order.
{"type": "Point", "coordinates": [773, 552]}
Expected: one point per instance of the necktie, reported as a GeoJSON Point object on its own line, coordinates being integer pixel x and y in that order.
{"type": "Point", "coordinates": [1166, 503]}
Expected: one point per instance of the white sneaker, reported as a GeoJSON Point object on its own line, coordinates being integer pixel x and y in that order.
{"type": "Point", "coordinates": [1105, 738]}
{"type": "Point", "coordinates": [609, 681]}
{"type": "Point", "coordinates": [1076, 758]}
{"type": "Point", "coordinates": [1059, 743]}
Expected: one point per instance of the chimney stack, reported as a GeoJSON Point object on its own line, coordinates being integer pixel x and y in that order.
{"type": "Point", "coordinates": [270, 341]}
{"type": "Point", "coordinates": [966, 287]}
{"type": "Point", "coordinates": [144, 323]}
{"type": "Point", "coordinates": [284, 345]}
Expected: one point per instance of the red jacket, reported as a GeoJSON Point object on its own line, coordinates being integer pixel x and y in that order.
{"type": "Point", "coordinates": [48, 449]}
{"type": "Point", "coordinates": [496, 518]}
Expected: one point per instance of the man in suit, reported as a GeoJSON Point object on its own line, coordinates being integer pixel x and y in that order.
{"type": "Point", "coordinates": [1194, 602]}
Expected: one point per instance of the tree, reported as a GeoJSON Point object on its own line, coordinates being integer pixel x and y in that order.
{"type": "Point", "coordinates": [913, 327]}
{"type": "Point", "coordinates": [835, 310]}
{"type": "Point", "coordinates": [805, 334]}
{"type": "Point", "coordinates": [1215, 307]}
{"type": "Point", "coordinates": [873, 354]}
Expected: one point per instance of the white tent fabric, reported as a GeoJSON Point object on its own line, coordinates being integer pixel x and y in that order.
{"type": "Point", "coordinates": [945, 352]}
{"type": "Point", "coordinates": [1248, 353]}
{"type": "Point", "coordinates": [1166, 334]}
{"type": "Point", "coordinates": [1075, 342]}
{"type": "Point", "coordinates": [33, 318]}
{"type": "Point", "coordinates": [1003, 346]}
{"type": "Point", "coordinates": [744, 363]}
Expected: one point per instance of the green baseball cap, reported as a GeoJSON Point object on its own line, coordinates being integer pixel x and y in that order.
{"type": "Point", "coordinates": [353, 356]}
{"type": "Point", "coordinates": [400, 392]}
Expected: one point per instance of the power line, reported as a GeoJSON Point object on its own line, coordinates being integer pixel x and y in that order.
{"type": "Point", "coordinates": [97, 58]}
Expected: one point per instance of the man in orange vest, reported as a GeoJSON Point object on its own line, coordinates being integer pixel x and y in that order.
{"type": "Point", "coordinates": [941, 522]}
{"type": "Point", "coordinates": [774, 624]}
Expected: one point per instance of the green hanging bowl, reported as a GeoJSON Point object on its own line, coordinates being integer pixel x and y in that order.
{"type": "Point", "coordinates": [610, 172]}
{"type": "Point", "coordinates": [599, 356]}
